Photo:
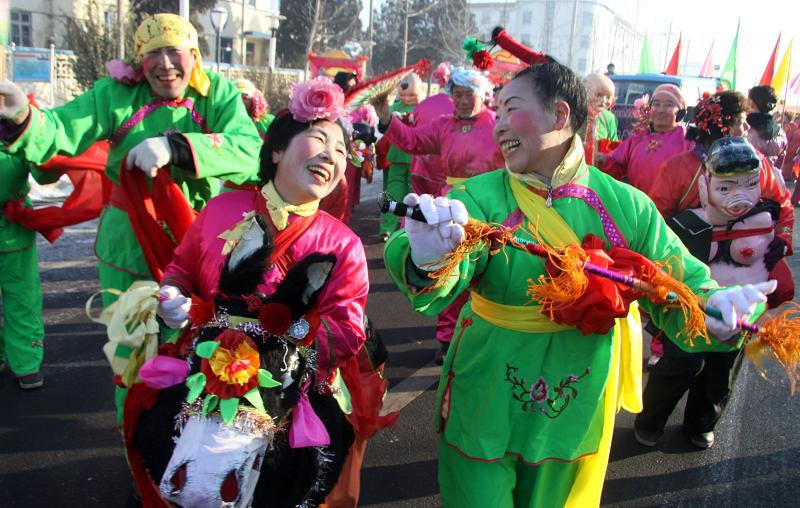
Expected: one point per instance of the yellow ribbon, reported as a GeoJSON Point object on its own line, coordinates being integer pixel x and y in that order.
{"type": "Point", "coordinates": [279, 209]}
{"type": "Point", "coordinates": [234, 234]}
{"type": "Point", "coordinates": [130, 322]}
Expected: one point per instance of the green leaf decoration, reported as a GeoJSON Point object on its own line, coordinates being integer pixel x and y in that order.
{"type": "Point", "coordinates": [254, 398]}
{"type": "Point", "coordinates": [471, 45]}
{"type": "Point", "coordinates": [195, 383]}
{"type": "Point", "coordinates": [206, 349]}
{"type": "Point", "coordinates": [210, 403]}
{"type": "Point", "coordinates": [265, 379]}
{"type": "Point", "coordinates": [228, 408]}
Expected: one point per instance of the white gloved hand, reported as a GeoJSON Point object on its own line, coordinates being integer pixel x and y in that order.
{"type": "Point", "coordinates": [442, 232]}
{"type": "Point", "coordinates": [736, 303]}
{"type": "Point", "coordinates": [173, 307]}
{"type": "Point", "coordinates": [14, 105]}
{"type": "Point", "coordinates": [149, 155]}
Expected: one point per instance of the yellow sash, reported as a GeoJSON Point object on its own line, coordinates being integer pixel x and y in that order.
{"type": "Point", "coordinates": [454, 180]}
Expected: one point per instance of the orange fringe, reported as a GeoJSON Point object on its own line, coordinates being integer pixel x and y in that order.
{"type": "Point", "coordinates": [779, 337]}
{"type": "Point", "coordinates": [477, 235]}
{"type": "Point", "coordinates": [563, 290]}
{"type": "Point", "coordinates": [694, 317]}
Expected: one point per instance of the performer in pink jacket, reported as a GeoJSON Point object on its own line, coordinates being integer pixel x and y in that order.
{"type": "Point", "coordinates": [660, 136]}
{"type": "Point", "coordinates": [302, 161]}
{"type": "Point", "coordinates": [427, 173]}
{"type": "Point", "coordinates": [465, 146]}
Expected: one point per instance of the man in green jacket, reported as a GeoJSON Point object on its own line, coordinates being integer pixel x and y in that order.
{"type": "Point", "coordinates": [178, 116]}
{"type": "Point", "coordinates": [22, 331]}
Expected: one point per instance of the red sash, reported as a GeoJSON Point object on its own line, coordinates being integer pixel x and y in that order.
{"type": "Point", "coordinates": [149, 210]}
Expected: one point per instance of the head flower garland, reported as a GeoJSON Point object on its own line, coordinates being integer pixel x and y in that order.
{"type": "Point", "coordinates": [709, 115]}
{"type": "Point", "coordinates": [316, 99]}
{"type": "Point", "coordinates": [643, 113]}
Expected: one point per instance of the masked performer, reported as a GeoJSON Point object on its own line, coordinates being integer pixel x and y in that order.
{"type": "Point", "coordinates": [731, 231]}
{"type": "Point", "coordinates": [676, 186]}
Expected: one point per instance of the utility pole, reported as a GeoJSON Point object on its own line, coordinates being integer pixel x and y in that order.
{"type": "Point", "coordinates": [666, 52]}
{"type": "Point", "coordinates": [573, 29]}
{"type": "Point", "coordinates": [121, 29]}
{"type": "Point", "coordinates": [244, 40]}
{"type": "Point", "coordinates": [183, 8]}
{"type": "Point", "coordinates": [369, 38]}
{"type": "Point", "coordinates": [405, 33]}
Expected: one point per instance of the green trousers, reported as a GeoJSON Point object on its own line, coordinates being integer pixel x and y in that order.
{"type": "Point", "coordinates": [21, 330]}
{"type": "Point", "coordinates": [396, 184]}
{"type": "Point", "coordinates": [506, 483]}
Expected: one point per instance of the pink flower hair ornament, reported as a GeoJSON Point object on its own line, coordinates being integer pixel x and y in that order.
{"type": "Point", "coordinates": [316, 99]}
{"type": "Point", "coordinates": [442, 74]}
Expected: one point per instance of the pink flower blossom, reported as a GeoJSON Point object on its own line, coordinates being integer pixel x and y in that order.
{"type": "Point", "coordinates": [442, 73]}
{"type": "Point", "coordinates": [316, 99]}
{"type": "Point", "coordinates": [641, 101]}
{"type": "Point", "coordinates": [539, 390]}
{"type": "Point", "coordinates": [124, 73]}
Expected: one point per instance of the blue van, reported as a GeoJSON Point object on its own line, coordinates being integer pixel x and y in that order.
{"type": "Point", "coordinates": [630, 87]}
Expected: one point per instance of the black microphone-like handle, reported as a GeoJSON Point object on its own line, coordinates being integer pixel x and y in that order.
{"type": "Point", "coordinates": [413, 212]}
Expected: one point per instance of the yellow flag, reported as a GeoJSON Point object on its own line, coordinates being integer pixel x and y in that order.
{"type": "Point", "coordinates": [784, 70]}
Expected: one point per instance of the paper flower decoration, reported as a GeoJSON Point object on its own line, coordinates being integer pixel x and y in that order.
{"type": "Point", "coordinates": [230, 369]}
{"type": "Point", "coordinates": [316, 99]}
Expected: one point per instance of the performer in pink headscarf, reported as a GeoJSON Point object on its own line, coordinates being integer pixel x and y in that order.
{"type": "Point", "coordinates": [465, 146]}
{"type": "Point", "coordinates": [659, 137]}
{"type": "Point", "coordinates": [427, 173]}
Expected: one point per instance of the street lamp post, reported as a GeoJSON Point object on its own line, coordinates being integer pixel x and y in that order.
{"type": "Point", "coordinates": [219, 18]}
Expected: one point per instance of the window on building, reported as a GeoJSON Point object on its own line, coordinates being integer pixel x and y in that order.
{"type": "Point", "coordinates": [584, 43]}
{"type": "Point", "coordinates": [250, 53]}
{"type": "Point", "coordinates": [582, 66]}
{"type": "Point", "coordinates": [110, 20]}
{"type": "Point", "coordinates": [21, 28]}
{"type": "Point", "coordinates": [251, 2]}
{"type": "Point", "coordinates": [587, 18]}
{"type": "Point", "coordinates": [526, 39]}
{"type": "Point", "coordinates": [226, 55]}
{"type": "Point", "coordinates": [486, 18]}
{"type": "Point", "coordinates": [527, 17]}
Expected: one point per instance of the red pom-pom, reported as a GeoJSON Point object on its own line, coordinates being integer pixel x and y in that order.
{"type": "Point", "coordinates": [275, 318]}
{"type": "Point", "coordinates": [201, 311]}
{"type": "Point", "coordinates": [482, 60]}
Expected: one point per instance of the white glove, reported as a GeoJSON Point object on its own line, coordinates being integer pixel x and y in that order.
{"type": "Point", "coordinates": [173, 307]}
{"type": "Point", "coordinates": [14, 105]}
{"type": "Point", "coordinates": [149, 155]}
{"type": "Point", "coordinates": [442, 232]}
{"type": "Point", "coordinates": [736, 303]}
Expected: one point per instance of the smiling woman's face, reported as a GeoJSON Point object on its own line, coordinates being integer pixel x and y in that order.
{"type": "Point", "coordinates": [312, 165]}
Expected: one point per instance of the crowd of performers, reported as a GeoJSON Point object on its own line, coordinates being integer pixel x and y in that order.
{"type": "Point", "coordinates": [229, 274]}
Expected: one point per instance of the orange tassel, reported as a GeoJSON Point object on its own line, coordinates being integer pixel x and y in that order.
{"type": "Point", "coordinates": [779, 337]}
{"type": "Point", "coordinates": [694, 317]}
{"type": "Point", "coordinates": [477, 235]}
{"type": "Point", "coordinates": [563, 290]}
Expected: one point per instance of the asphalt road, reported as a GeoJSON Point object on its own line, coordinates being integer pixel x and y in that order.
{"type": "Point", "coordinates": [57, 447]}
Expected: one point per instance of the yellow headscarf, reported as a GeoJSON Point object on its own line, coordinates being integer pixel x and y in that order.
{"type": "Point", "coordinates": [165, 30]}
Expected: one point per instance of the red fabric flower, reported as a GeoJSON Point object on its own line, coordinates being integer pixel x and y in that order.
{"type": "Point", "coordinates": [482, 60]}
{"type": "Point", "coordinates": [235, 355]}
{"type": "Point", "coordinates": [604, 299]}
{"type": "Point", "coordinates": [275, 318]}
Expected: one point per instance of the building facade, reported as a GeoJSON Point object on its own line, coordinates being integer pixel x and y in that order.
{"type": "Point", "coordinates": [248, 37]}
{"type": "Point", "coordinates": [602, 36]}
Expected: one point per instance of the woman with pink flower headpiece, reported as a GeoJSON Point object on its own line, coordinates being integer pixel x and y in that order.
{"type": "Point", "coordinates": [302, 161]}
